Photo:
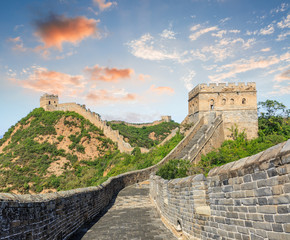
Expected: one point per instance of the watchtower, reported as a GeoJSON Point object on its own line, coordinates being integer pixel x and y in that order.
{"type": "Point", "coordinates": [48, 102]}
{"type": "Point", "coordinates": [236, 102]}
{"type": "Point", "coordinates": [166, 118]}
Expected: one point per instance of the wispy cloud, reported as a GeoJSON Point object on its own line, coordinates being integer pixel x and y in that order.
{"type": "Point", "coordinates": [284, 76]}
{"type": "Point", "coordinates": [105, 74]}
{"type": "Point", "coordinates": [225, 20]}
{"type": "Point", "coordinates": [245, 65]}
{"type": "Point", "coordinates": [17, 44]}
{"type": "Point", "coordinates": [267, 30]}
{"type": "Point", "coordinates": [265, 50]}
{"type": "Point", "coordinates": [197, 34]}
{"type": "Point", "coordinates": [147, 47]}
{"type": "Point", "coordinates": [283, 36]}
{"type": "Point", "coordinates": [107, 96]}
{"type": "Point", "coordinates": [168, 34]}
{"type": "Point", "coordinates": [103, 5]}
{"type": "Point", "coordinates": [43, 80]}
{"type": "Point", "coordinates": [162, 90]}
{"type": "Point", "coordinates": [188, 80]}
{"type": "Point", "coordinates": [56, 30]}
{"type": "Point", "coordinates": [144, 77]}
{"type": "Point", "coordinates": [282, 8]}
{"type": "Point", "coordinates": [285, 22]}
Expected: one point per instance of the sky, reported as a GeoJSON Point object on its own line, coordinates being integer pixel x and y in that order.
{"type": "Point", "coordinates": [137, 60]}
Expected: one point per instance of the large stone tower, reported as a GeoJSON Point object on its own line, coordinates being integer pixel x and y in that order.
{"type": "Point", "coordinates": [48, 102]}
{"type": "Point", "coordinates": [236, 103]}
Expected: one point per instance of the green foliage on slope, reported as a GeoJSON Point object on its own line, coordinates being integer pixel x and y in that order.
{"type": "Point", "coordinates": [139, 137]}
{"type": "Point", "coordinates": [274, 128]}
{"type": "Point", "coordinates": [33, 145]}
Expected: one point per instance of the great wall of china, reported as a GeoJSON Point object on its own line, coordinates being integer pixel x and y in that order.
{"type": "Point", "coordinates": [246, 199]}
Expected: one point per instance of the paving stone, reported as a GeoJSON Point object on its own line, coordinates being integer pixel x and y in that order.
{"type": "Point", "coordinates": [131, 216]}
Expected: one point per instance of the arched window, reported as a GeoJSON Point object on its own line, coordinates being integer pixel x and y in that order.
{"type": "Point", "coordinates": [211, 104]}
{"type": "Point", "coordinates": [49, 102]}
{"type": "Point", "coordinates": [232, 101]}
{"type": "Point", "coordinates": [224, 101]}
{"type": "Point", "coordinates": [244, 101]}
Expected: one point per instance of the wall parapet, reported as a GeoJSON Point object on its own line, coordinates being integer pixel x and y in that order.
{"type": "Point", "coordinates": [219, 87]}
{"type": "Point", "coordinates": [245, 199]}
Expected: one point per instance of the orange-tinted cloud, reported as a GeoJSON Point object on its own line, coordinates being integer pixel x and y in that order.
{"type": "Point", "coordinates": [43, 80]}
{"type": "Point", "coordinates": [143, 77]}
{"type": "Point", "coordinates": [102, 4]}
{"type": "Point", "coordinates": [56, 30]}
{"type": "Point", "coordinates": [101, 96]}
{"type": "Point", "coordinates": [105, 74]}
{"type": "Point", "coordinates": [162, 90]}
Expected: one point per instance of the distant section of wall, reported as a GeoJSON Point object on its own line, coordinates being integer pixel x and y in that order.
{"type": "Point", "coordinates": [96, 120]}
{"type": "Point", "coordinates": [245, 199]}
{"type": "Point", "coordinates": [140, 125]}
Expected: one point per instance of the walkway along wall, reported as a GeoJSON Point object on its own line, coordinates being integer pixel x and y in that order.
{"type": "Point", "coordinates": [245, 199]}
{"type": "Point", "coordinates": [59, 215]}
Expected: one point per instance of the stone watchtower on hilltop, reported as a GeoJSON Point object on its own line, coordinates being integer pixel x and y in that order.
{"type": "Point", "coordinates": [236, 103]}
{"type": "Point", "coordinates": [49, 102]}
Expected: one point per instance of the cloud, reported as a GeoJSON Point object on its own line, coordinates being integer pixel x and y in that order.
{"type": "Point", "coordinates": [143, 77]}
{"type": "Point", "coordinates": [162, 90]}
{"type": "Point", "coordinates": [187, 80]}
{"type": "Point", "coordinates": [219, 34]}
{"type": "Point", "coordinates": [168, 34]}
{"type": "Point", "coordinates": [225, 20]}
{"type": "Point", "coordinates": [149, 48]}
{"type": "Point", "coordinates": [223, 49]}
{"type": "Point", "coordinates": [105, 74]}
{"type": "Point", "coordinates": [56, 30]}
{"type": "Point", "coordinates": [43, 80]}
{"type": "Point", "coordinates": [132, 117]}
{"type": "Point", "coordinates": [106, 96]}
{"type": "Point", "coordinates": [267, 30]}
{"type": "Point", "coordinates": [280, 90]}
{"type": "Point", "coordinates": [195, 27]}
{"type": "Point", "coordinates": [265, 50]}
{"type": "Point", "coordinates": [281, 8]}
{"type": "Point", "coordinates": [18, 44]}
{"type": "Point", "coordinates": [285, 23]}
{"type": "Point", "coordinates": [282, 36]}
{"type": "Point", "coordinates": [196, 35]}
{"type": "Point", "coordinates": [103, 5]}
{"type": "Point", "coordinates": [284, 76]}
{"type": "Point", "coordinates": [244, 65]}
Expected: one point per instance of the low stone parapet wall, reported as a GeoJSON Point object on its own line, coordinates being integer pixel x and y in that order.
{"type": "Point", "coordinates": [245, 199]}
{"type": "Point", "coordinates": [59, 215]}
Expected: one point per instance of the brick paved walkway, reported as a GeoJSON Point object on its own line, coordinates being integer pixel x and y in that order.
{"type": "Point", "coordinates": [132, 216]}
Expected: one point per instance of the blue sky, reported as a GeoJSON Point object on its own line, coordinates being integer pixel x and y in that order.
{"type": "Point", "coordinates": [137, 60]}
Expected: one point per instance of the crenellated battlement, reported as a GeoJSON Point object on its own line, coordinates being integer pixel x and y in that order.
{"type": "Point", "coordinates": [222, 87]}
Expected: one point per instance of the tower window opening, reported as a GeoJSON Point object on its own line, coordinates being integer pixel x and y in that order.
{"type": "Point", "coordinates": [211, 107]}
{"type": "Point", "coordinates": [224, 101]}
{"type": "Point", "coordinates": [49, 102]}
{"type": "Point", "coordinates": [211, 104]}
{"type": "Point", "coordinates": [232, 101]}
{"type": "Point", "coordinates": [244, 101]}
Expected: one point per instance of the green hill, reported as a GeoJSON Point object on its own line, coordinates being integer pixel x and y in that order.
{"type": "Point", "coordinates": [146, 136]}
{"type": "Point", "coordinates": [50, 151]}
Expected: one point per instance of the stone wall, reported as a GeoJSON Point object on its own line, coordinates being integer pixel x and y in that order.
{"type": "Point", "coordinates": [246, 199]}
{"type": "Point", "coordinates": [211, 139]}
{"type": "Point", "coordinates": [95, 119]}
{"type": "Point", "coordinates": [58, 215]}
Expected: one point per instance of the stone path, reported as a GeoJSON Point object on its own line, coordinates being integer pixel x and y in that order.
{"type": "Point", "coordinates": [132, 216]}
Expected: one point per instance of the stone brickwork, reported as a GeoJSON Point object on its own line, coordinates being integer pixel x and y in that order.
{"type": "Point", "coordinates": [58, 215]}
{"type": "Point", "coordinates": [237, 104]}
{"type": "Point", "coordinates": [245, 199]}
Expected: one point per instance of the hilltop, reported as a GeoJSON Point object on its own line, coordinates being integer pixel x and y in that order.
{"type": "Point", "coordinates": [48, 151]}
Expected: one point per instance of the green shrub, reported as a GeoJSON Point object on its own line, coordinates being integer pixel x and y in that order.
{"type": "Point", "coordinates": [174, 169]}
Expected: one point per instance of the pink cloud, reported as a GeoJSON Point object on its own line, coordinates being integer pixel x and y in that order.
{"type": "Point", "coordinates": [56, 30]}
{"type": "Point", "coordinates": [162, 90]}
{"type": "Point", "coordinates": [284, 76]}
{"type": "Point", "coordinates": [43, 80]}
{"type": "Point", "coordinates": [105, 74]}
{"type": "Point", "coordinates": [102, 4]}
{"type": "Point", "coordinates": [101, 96]}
